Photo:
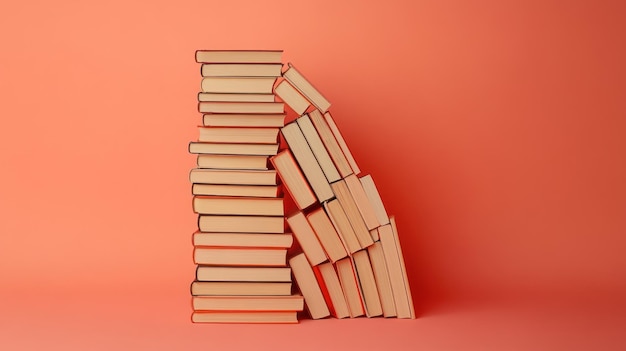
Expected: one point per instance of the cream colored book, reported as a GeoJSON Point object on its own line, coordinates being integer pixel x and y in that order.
{"type": "Point", "coordinates": [330, 143]}
{"type": "Point", "coordinates": [293, 179]}
{"type": "Point", "coordinates": [243, 239]}
{"type": "Point", "coordinates": [352, 212]}
{"type": "Point", "coordinates": [342, 143]}
{"type": "Point", "coordinates": [240, 288]}
{"type": "Point", "coordinates": [318, 149]}
{"type": "Point", "coordinates": [306, 88]}
{"type": "Point", "coordinates": [240, 256]}
{"type": "Point", "coordinates": [240, 206]}
{"type": "Point", "coordinates": [407, 286]}
{"type": "Point", "coordinates": [243, 120]}
{"type": "Point", "coordinates": [243, 274]}
{"type": "Point", "coordinates": [333, 287]}
{"type": "Point", "coordinates": [241, 224]}
{"type": "Point", "coordinates": [306, 238]}
{"type": "Point", "coordinates": [292, 97]}
{"type": "Point", "coordinates": [367, 284]}
{"type": "Point", "coordinates": [236, 176]}
{"type": "Point", "coordinates": [258, 162]}
{"type": "Point", "coordinates": [239, 56]}
{"type": "Point", "coordinates": [233, 149]}
{"type": "Point", "coordinates": [379, 267]}
{"type": "Point", "coordinates": [396, 276]}
{"type": "Point", "coordinates": [234, 97]}
{"type": "Point", "coordinates": [362, 201]}
{"type": "Point", "coordinates": [248, 303]}
{"type": "Point", "coordinates": [374, 198]}
{"type": "Point", "coordinates": [241, 107]}
{"type": "Point", "coordinates": [307, 162]}
{"type": "Point", "coordinates": [236, 190]}
{"type": "Point", "coordinates": [327, 235]}
{"type": "Point", "coordinates": [341, 223]}
{"type": "Point", "coordinates": [243, 135]}
{"type": "Point", "coordinates": [305, 278]}
{"type": "Point", "coordinates": [242, 85]}
{"type": "Point", "coordinates": [350, 286]}
{"type": "Point", "coordinates": [241, 69]}
{"type": "Point", "coordinates": [264, 317]}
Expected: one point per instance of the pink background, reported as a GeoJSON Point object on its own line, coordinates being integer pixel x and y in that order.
{"type": "Point", "coordinates": [495, 131]}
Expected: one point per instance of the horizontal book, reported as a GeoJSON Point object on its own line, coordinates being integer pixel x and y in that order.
{"type": "Point", "coordinates": [367, 283]}
{"type": "Point", "coordinates": [306, 88]}
{"type": "Point", "coordinates": [243, 239]}
{"type": "Point", "coordinates": [240, 107]}
{"type": "Point", "coordinates": [245, 317]}
{"type": "Point", "coordinates": [243, 135]}
{"type": "Point", "coordinates": [234, 97]}
{"type": "Point", "coordinates": [236, 190]}
{"type": "Point", "coordinates": [293, 179]}
{"type": "Point", "coordinates": [235, 176]}
{"type": "Point", "coordinates": [233, 149]}
{"type": "Point", "coordinates": [335, 293]}
{"type": "Point", "coordinates": [243, 274]}
{"type": "Point", "coordinates": [331, 144]}
{"type": "Point", "coordinates": [238, 206]}
{"type": "Point", "coordinates": [240, 288]}
{"type": "Point", "coordinates": [255, 85]}
{"type": "Point", "coordinates": [374, 198]}
{"type": "Point", "coordinates": [258, 162]}
{"type": "Point", "coordinates": [307, 239]}
{"type": "Point", "coordinates": [292, 97]}
{"type": "Point", "coordinates": [241, 224]}
{"type": "Point", "coordinates": [239, 56]}
{"type": "Point", "coordinates": [350, 286]}
{"type": "Point", "coordinates": [240, 256]}
{"type": "Point", "coordinates": [327, 235]}
{"type": "Point", "coordinates": [241, 69]}
{"type": "Point", "coordinates": [309, 287]}
{"type": "Point", "coordinates": [243, 120]}
{"type": "Point", "coordinates": [248, 303]}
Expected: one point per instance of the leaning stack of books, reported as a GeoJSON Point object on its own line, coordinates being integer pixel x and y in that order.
{"type": "Point", "coordinates": [240, 248]}
{"type": "Point", "coordinates": [351, 262]}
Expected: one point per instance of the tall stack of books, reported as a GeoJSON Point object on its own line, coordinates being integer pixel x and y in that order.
{"type": "Point", "coordinates": [351, 262]}
{"type": "Point", "coordinates": [240, 248]}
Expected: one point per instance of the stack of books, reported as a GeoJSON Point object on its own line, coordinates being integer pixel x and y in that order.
{"type": "Point", "coordinates": [240, 248]}
{"type": "Point", "coordinates": [351, 263]}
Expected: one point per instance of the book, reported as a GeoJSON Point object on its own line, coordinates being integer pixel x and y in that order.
{"type": "Point", "coordinates": [362, 201]}
{"type": "Point", "coordinates": [342, 143]}
{"type": "Point", "coordinates": [338, 303]}
{"type": "Point", "coordinates": [394, 267]}
{"type": "Point", "coordinates": [245, 317]}
{"type": "Point", "coordinates": [374, 198]}
{"type": "Point", "coordinates": [352, 212]}
{"type": "Point", "coordinates": [240, 206]}
{"type": "Point", "coordinates": [350, 286]}
{"type": "Point", "coordinates": [341, 223]}
{"type": "Point", "coordinates": [233, 176]}
{"type": "Point", "coordinates": [309, 287]}
{"type": "Point", "coordinates": [240, 256]}
{"type": "Point", "coordinates": [258, 162]}
{"type": "Point", "coordinates": [293, 179]}
{"type": "Point", "coordinates": [379, 267]}
{"type": "Point", "coordinates": [292, 97]}
{"type": "Point", "coordinates": [307, 162]}
{"type": "Point", "coordinates": [306, 88]}
{"type": "Point", "coordinates": [236, 190]}
{"type": "Point", "coordinates": [241, 69]}
{"type": "Point", "coordinates": [242, 239]}
{"type": "Point", "coordinates": [243, 120]}
{"type": "Point", "coordinates": [367, 283]}
{"type": "Point", "coordinates": [248, 303]}
{"type": "Point", "coordinates": [239, 56]}
{"type": "Point", "coordinates": [234, 97]}
{"type": "Point", "coordinates": [327, 235]}
{"type": "Point", "coordinates": [330, 143]}
{"type": "Point", "coordinates": [250, 85]}
{"type": "Point", "coordinates": [233, 149]}
{"type": "Point", "coordinates": [243, 274]}
{"type": "Point", "coordinates": [241, 224]}
{"type": "Point", "coordinates": [240, 107]}
{"type": "Point", "coordinates": [240, 288]}
{"type": "Point", "coordinates": [318, 149]}
{"type": "Point", "coordinates": [405, 277]}
{"type": "Point", "coordinates": [245, 135]}
{"type": "Point", "coordinates": [306, 238]}
{"type": "Point", "coordinates": [374, 234]}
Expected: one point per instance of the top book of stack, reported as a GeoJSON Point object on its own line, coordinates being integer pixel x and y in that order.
{"type": "Point", "coordinates": [239, 56]}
